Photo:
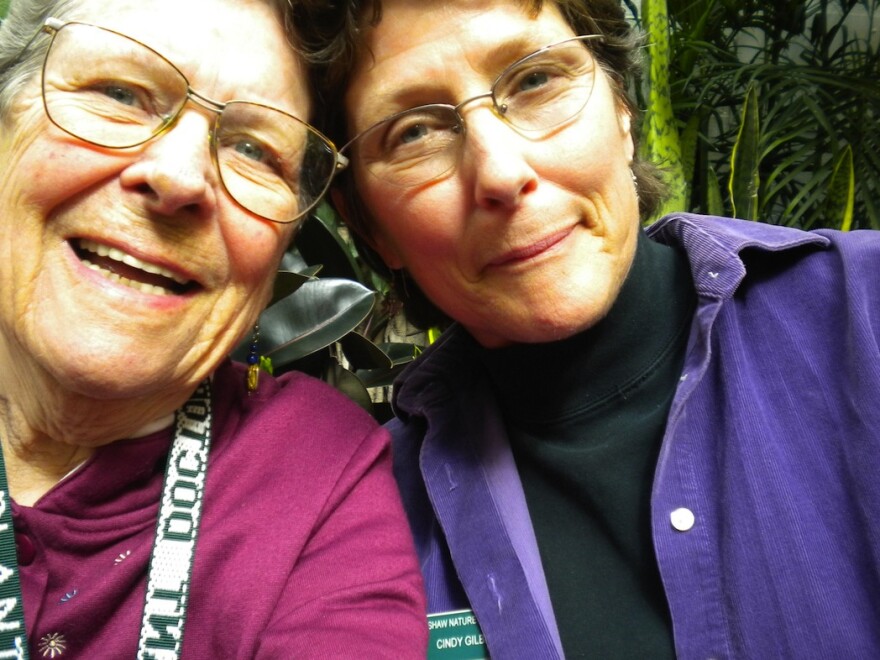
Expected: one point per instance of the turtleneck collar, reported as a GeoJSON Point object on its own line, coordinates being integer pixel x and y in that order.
{"type": "Point", "coordinates": [557, 380]}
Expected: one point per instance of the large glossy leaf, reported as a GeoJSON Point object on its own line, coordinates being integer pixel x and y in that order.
{"type": "Point", "coordinates": [347, 383]}
{"type": "Point", "coordinates": [286, 282]}
{"type": "Point", "coordinates": [362, 353]}
{"type": "Point", "coordinates": [319, 241]}
{"type": "Point", "coordinates": [400, 354]}
{"type": "Point", "coordinates": [318, 314]}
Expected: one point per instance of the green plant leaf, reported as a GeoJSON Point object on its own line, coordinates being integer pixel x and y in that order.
{"type": "Point", "coordinates": [660, 139]}
{"type": "Point", "coordinates": [841, 191]}
{"type": "Point", "coordinates": [347, 383]}
{"type": "Point", "coordinates": [745, 179]}
{"type": "Point", "coordinates": [4, 7]}
{"type": "Point", "coordinates": [320, 313]}
{"type": "Point", "coordinates": [287, 281]}
{"type": "Point", "coordinates": [362, 353]}
{"type": "Point", "coordinates": [319, 242]}
{"type": "Point", "coordinates": [714, 203]}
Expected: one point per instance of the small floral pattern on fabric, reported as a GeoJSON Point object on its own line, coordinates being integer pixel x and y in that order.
{"type": "Point", "coordinates": [53, 645]}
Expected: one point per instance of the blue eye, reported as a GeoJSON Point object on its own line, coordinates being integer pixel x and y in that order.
{"type": "Point", "coordinates": [533, 80]}
{"type": "Point", "coordinates": [120, 94]}
{"type": "Point", "coordinates": [413, 133]}
{"type": "Point", "coordinates": [250, 149]}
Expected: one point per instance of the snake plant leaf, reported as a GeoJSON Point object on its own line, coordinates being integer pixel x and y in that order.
{"type": "Point", "coordinates": [714, 203]}
{"type": "Point", "coordinates": [744, 177]}
{"type": "Point", "coordinates": [660, 140]}
{"type": "Point", "coordinates": [320, 313]}
{"type": "Point", "coordinates": [362, 353]}
{"type": "Point", "coordinates": [689, 144]}
{"type": "Point", "coordinates": [841, 192]}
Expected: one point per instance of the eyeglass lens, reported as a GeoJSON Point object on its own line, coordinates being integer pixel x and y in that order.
{"type": "Point", "coordinates": [113, 91]}
{"type": "Point", "coordinates": [536, 93]}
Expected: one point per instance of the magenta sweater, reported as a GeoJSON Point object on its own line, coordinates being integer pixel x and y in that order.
{"type": "Point", "coordinates": [303, 550]}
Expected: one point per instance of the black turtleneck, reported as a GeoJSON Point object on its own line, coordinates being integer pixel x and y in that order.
{"type": "Point", "coordinates": [586, 417]}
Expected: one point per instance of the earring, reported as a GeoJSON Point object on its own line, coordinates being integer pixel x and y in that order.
{"type": "Point", "coordinates": [253, 361]}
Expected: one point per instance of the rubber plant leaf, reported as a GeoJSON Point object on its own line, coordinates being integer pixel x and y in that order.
{"type": "Point", "coordinates": [400, 354]}
{"type": "Point", "coordinates": [319, 242]}
{"type": "Point", "coordinates": [347, 383]}
{"type": "Point", "coordinates": [840, 201]}
{"type": "Point", "coordinates": [362, 353]}
{"type": "Point", "coordinates": [745, 180]}
{"type": "Point", "coordinates": [320, 313]}
{"type": "Point", "coordinates": [660, 140]}
{"type": "Point", "coordinates": [287, 281]}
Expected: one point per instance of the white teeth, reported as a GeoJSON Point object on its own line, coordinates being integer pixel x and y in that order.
{"type": "Point", "coordinates": [119, 255]}
{"type": "Point", "coordinates": [140, 286]}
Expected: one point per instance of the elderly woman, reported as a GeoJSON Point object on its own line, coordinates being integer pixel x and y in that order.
{"type": "Point", "coordinates": [156, 162]}
{"type": "Point", "coordinates": [629, 444]}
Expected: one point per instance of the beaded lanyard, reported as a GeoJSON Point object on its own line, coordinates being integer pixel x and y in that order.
{"type": "Point", "coordinates": [171, 560]}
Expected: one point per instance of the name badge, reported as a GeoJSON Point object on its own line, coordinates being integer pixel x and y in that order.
{"type": "Point", "coordinates": [456, 636]}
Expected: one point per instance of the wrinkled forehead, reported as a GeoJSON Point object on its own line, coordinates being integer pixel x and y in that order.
{"type": "Point", "coordinates": [227, 49]}
{"type": "Point", "coordinates": [429, 52]}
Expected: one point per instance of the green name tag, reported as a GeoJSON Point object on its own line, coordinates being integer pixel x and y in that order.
{"type": "Point", "coordinates": [456, 636]}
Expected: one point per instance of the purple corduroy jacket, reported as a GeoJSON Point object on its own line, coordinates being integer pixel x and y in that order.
{"type": "Point", "coordinates": [303, 549]}
{"type": "Point", "coordinates": [766, 494]}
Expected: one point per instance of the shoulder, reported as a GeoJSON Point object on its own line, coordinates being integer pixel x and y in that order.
{"type": "Point", "coordinates": [293, 415]}
{"type": "Point", "coordinates": [441, 374]}
{"type": "Point", "coordinates": [725, 253]}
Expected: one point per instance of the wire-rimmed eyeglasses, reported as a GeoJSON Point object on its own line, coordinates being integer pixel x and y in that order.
{"type": "Point", "coordinates": [536, 93]}
{"type": "Point", "coordinates": [112, 91]}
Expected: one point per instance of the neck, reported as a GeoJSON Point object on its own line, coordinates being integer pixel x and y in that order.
{"type": "Point", "coordinates": [47, 431]}
{"type": "Point", "coordinates": [34, 461]}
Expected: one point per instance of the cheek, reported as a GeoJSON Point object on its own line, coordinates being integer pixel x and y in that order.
{"type": "Point", "coordinates": [55, 171]}
{"type": "Point", "coordinates": [254, 247]}
{"type": "Point", "coordinates": [415, 223]}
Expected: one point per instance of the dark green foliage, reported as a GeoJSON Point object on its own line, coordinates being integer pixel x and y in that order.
{"type": "Point", "coordinates": [814, 66]}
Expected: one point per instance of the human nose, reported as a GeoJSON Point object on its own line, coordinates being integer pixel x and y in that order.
{"type": "Point", "coordinates": [494, 157]}
{"type": "Point", "coordinates": [175, 171]}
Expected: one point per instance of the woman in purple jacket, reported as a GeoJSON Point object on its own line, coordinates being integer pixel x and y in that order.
{"type": "Point", "coordinates": [156, 163]}
{"type": "Point", "coordinates": [628, 444]}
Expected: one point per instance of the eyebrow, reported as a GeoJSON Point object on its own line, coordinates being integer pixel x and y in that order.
{"type": "Point", "coordinates": [492, 63]}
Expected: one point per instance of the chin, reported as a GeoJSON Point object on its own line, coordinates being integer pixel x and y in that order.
{"type": "Point", "coordinates": [112, 376]}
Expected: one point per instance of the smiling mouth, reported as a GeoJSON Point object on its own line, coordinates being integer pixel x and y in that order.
{"type": "Point", "coordinates": [529, 251]}
{"type": "Point", "coordinates": [121, 267]}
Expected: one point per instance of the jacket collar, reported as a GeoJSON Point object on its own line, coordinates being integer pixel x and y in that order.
{"type": "Point", "coordinates": [714, 248]}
